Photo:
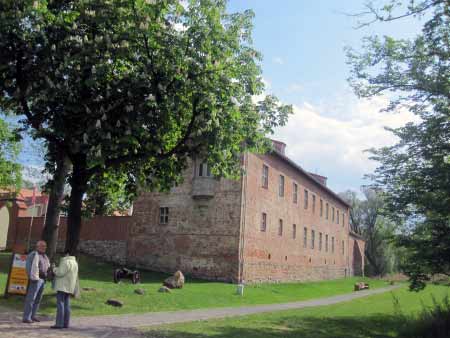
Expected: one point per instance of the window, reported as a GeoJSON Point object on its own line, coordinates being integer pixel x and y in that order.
{"type": "Point", "coordinates": [321, 208]}
{"type": "Point", "coordinates": [343, 247]}
{"type": "Point", "coordinates": [337, 216]}
{"type": "Point", "coordinates": [305, 237]}
{"type": "Point", "coordinates": [203, 170]}
{"type": "Point", "coordinates": [314, 203]}
{"type": "Point", "coordinates": [332, 244]}
{"type": "Point", "coordinates": [343, 219]}
{"type": "Point", "coordinates": [294, 192]}
{"type": "Point", "coordinates": [326, 243]}
{"type": "Point", "coordinates": [294, 231]}
{"type": "Point", "coordinates": [263, 226]}
{"type": "Point", "coordinates": [265, 176]}
{"type": "Point", "coordinates": [326, 211]}
{"type": "Point", "coordinates": [320, 241]}
{"type": "Point", "coordinates": [281, 186]}
{"type": "Point", "coordinates": [332, 214]}
{"type": "Point", "coordinates": [313, 235]}
{"type": "Point", "coordinates": [164, 215]}
{"type": "Point", "coordinates": [306, 199]}
{"type": "Point", "coordinates": [280, 228]}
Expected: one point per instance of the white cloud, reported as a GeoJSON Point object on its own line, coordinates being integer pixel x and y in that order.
{"type": "Point", "coordinates": [333, 145]}
{"type": "Point", "coordinates": [278, 60]}
{"type": "Point", "coordinates": [295, 88]}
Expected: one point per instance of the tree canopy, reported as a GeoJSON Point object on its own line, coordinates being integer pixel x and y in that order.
{"type": "Point", "coordinates": [415, 172]}
{"type": "Point", "coordinates": [135, 86]}
{"type": "Point", "coordinates": [367, 219]}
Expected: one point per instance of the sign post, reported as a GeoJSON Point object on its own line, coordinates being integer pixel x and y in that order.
{"type": "Point", "coordinates": [17, 281]}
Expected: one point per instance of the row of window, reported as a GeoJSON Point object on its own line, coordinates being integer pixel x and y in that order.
{"type": "Point", "coordinates": [335, 214]}
{"type": "Point", "coordinates": [263, 228]}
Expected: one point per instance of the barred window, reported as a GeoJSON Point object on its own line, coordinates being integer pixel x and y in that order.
{"type": "Point", "coordinates": [280, 228]}
{"type": "Point", "coordinates": [305, 237]}
{"type": "Point", "coordinates": [265, 176]}
{"type": "Point", "coordinates": [281, 186]}
{"type": "Point", "coordinates": [164, 215]}
{"type": "Point", "coordinates": [263, 225]}
{"type": "Point", "coordinates": [203, 170]}
{"type": "Point", "coordinates": [294, 192]}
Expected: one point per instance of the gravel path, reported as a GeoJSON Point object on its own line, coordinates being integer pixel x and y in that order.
{"type": "Point", "coordinates": [118, 326]}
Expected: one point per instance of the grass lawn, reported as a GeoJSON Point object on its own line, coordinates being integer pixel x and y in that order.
{"type": "Point", "coordinates": [369, 317]}
{"type": "Point", "coordinates": [196, 293]}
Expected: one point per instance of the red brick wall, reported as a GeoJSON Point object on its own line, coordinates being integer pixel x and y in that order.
{"type": "Point", "coordinates": [104, 228]}
{"type": "Point", "coordinates": [201, 237]}
{"type": "Point", "coordinates": [289, 260]}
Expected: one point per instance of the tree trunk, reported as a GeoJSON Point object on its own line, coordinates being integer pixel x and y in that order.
{"type": "Point", "coordinates": [51, 228]}
{"type": "Point", "coordinates": [78, 183]}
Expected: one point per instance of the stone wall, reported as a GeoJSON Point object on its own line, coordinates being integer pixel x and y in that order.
{"type": "Point", "coordinates": [109, 251]}
{"type": "Point", "coordinates": [269, 256]}
{"type": "Point", "coordinates": [201, 237]}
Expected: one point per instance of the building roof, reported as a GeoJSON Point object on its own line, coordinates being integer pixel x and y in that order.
{"type": "Point", "coordinates": [308, 175]}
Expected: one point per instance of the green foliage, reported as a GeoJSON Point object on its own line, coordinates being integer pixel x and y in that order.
{"type": "Point", "coordinates": [10, 169]}
{"type": "Point", "coordinates": [432, 322]}
{"type": "Point", "coordinates": [106, 194]}
{"type": "Point", "coordinates": [135, 86]}
{"type": "Point", "coordinates": [415, 172]}
{"type": "Point", "coordinates": [366, 219]}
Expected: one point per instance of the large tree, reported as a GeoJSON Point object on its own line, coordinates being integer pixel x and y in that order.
{"type": "Point", "coordinates": [134, 86]}
{"type": "Point", "coordinates": [367, 220]}
{"type": "Point", "coordinates": [10, 169]}
{"type": "Point", "coordinates": [415, 172]}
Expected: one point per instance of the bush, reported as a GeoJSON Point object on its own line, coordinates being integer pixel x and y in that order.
{"type": "Point", "coordinates": [432, 322]}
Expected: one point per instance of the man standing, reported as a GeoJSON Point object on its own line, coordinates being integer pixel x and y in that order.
{"type": "Point", "coordinates": [37, 265]}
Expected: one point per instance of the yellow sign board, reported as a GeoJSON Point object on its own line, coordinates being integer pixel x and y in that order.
{"type": "Point", "coordinates": [18, 279]}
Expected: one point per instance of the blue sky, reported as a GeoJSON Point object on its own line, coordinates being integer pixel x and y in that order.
{"type": "Point", "coordinates": [304, 64]}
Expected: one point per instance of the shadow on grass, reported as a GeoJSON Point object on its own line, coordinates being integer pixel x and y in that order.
{"type": "Point", "coordinates": [295, 327]}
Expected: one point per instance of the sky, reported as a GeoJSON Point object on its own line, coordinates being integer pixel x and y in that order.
{"type": "Point", "coordinates": [304, 64]}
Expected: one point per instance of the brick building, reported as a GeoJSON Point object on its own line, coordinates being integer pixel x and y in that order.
{"type": "Point", "coordinates": [276, 223]}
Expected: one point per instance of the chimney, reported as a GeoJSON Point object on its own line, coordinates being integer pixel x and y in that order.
{"type": "Point", "coordinates": [320, 178]}
{"type": "Point", "coordinates": [279, 146]}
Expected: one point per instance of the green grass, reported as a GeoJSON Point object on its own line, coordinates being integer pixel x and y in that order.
{"type": "Point", "coordinates": [195, 295]}
{"type": "Point", "coordinates": [369, 317]}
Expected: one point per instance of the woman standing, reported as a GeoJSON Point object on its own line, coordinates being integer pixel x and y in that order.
{"type": "Point", "coordinates": [66, 276]}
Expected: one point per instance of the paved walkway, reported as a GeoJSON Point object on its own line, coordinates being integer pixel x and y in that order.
{"type": "Point", "coordinates": [118, 326]}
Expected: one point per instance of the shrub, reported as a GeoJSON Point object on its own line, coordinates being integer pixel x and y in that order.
{"type": "Point", "coordinates": [432, 322]}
